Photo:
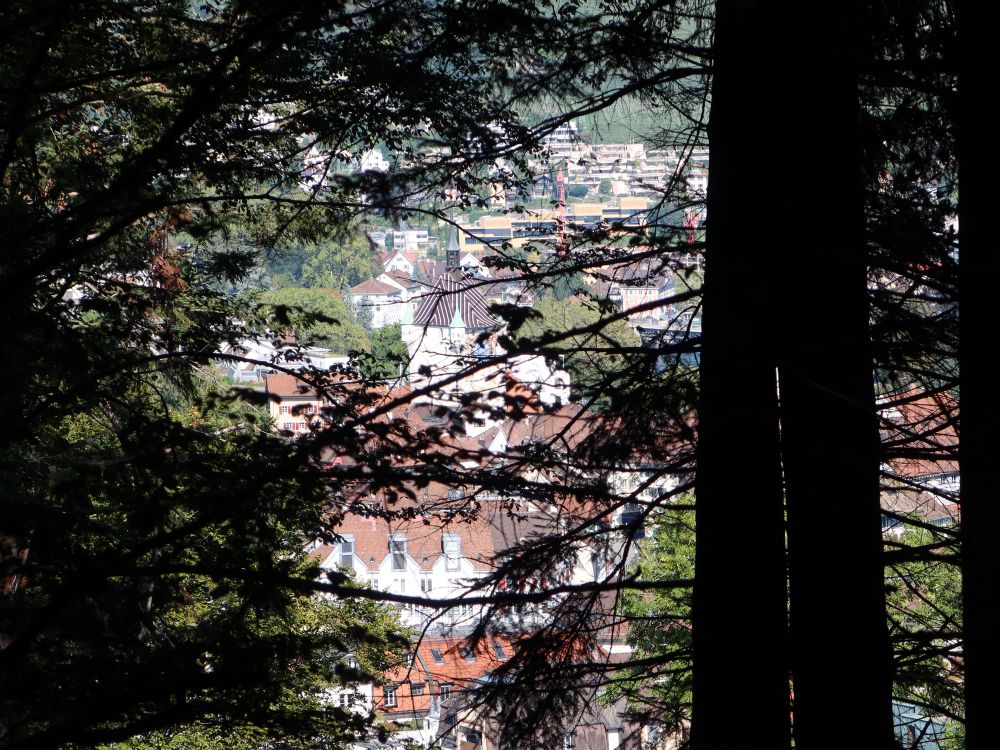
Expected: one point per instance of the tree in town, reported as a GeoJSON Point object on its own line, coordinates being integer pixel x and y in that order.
{"type": "Point", "coordinates": [657, 682]}
{"type": "Point", "coordinates": [589, 349]}
{"type": "Point", "coordinates": [343, 262]}
{"type": "Point", "coordinates": [388, 356]}
{"type": "Point", "coordinates": [319, 317]}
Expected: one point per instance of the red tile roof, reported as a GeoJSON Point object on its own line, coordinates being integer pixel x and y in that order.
{"type": "Point", "coordinates": [454, 669]}
{"type": "Point", "coordinates": [921, 434]}
{"type": "Point", "coordinates": [424, 538]}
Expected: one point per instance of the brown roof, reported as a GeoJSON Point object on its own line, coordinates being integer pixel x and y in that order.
{"type": "Point", "coordinates": [373, 286]}
{"type": "Point", "coordinates": [431, 269]}
{"type": "Point", "coordinates": [424, 538]}
{"type": "Point", "coordinates": [927, 506]}
{"type": "Point", "coordinates": [288, 386]}
{"type": "Point", "coordinates": [445, 296]}
{"type": "Point", "coordinates": [564, 427]}
{"type": "Point", "coordinates": [921, 433]}
{"type": "Point", "coordinates": [405, 280]}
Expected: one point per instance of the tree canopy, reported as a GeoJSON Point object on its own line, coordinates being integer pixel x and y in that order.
{"type": "Point", "coordinates": [319, 317]}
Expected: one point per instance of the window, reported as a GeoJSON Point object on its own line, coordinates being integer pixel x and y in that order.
{"type": "Point", "coordinates": [452, 552]}
{"type": "Point", "coordinates": [284, 409]}
{"type": "Point", "coordinates": [417, 688]}
{"type": "Point", "coordinates": [436, 656]}
{"type": "Point", "coordinates": [631, 514]}
{"type": "Point", "coordinates": [390, 696]}
{"type": "Point", "coordinates": [466, 653]}
{"type": "Point", "coordinates": [425, 585]}
{"type": "Point", "coordinates": [374, 582]}
{"type": "Point", "coordinates": [347, 552]}
{"type": "Point", "coordinates": [498, 649]}
{"type": "Point", "coordinates": [569, 740]}
{"type": "Point", "coordinates": [397, 547]}
{"type": "Point", "coordinates": [445, 689]}
{"type": "Point", "coordinates": [596, 565]}
{"type": "Point", "coordinates": [345, 700]}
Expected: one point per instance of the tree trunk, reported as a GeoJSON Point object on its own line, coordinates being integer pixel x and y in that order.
{"type": "Point", "coordinates": [979, 269]}
{"type": "Point", "coordinates": [740, 670]}
{"type": "Point", "coordinates": [829, 425]}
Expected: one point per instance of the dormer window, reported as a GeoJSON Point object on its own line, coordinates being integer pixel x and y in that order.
{"type": "Point", "coordinates": [397, 548]}
{"type": "Point", "coordinates": [347, 552]}
{"type": "Point", "coordinates": [452, 552]}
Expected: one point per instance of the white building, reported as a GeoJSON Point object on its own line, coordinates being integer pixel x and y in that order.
{"type": "Point", "coordinates": [411, 239]}
{"type": "Point", "coordinates": [382, 303]}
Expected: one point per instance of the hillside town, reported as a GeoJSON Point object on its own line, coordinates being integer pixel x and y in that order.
{"type": "Point", "coordinates": [487, 411]}
{"type": "Point", "coordinates": [450, 375]}
{"type": "Point", "coordinates": [430, 548]}
{"type": "Point", "coordinates": [440, 536]}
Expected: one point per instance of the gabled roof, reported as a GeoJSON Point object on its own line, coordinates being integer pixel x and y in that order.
{"type": "Point", "coordinates": [405, 280]}
{"type": "Point", "coordinates": [451, 661]}
{"type": "Point", "coordinates": [424, 539]}
{"type": "Point", "coordinates": [446, 296]}
{"type": "Point", "coordinates": [373, 286]}
{"type": "Point", "coordinates": [288, 386]}
{"type": "Point", "coordinates": [389, 256]}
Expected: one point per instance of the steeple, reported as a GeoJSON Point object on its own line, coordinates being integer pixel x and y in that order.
{"type": "Point", "coordinates": [456, 320]}
{"type": "Point", "coordinates": [454, 254]}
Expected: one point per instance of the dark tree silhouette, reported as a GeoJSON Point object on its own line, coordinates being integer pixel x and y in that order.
{"type": "Point", "coordinates": [980, 512]}
{"type": "Point", "coordinates": [739, 495]}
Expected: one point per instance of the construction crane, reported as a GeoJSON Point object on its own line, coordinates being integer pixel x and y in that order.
{"type": "Point", "coordinates": [562, 243]}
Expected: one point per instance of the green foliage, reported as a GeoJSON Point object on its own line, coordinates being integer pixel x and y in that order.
{"type": "Point", "coordinates": [167, 583]}
{"type": "Point", "coordinates": [151, 544]}
{"type": "Point", "coordinates": [605, 187]}
{"type": "Point", "coordinates": [591, 347]}
{"type": "Point", "coordinates": [319, 317]}
{"type": "Point", "coordinates": [341, 261]}
{"type": "Point", "coordinates": [577, 190]}
{"type": "Point", "coordinates": [388, 354]}
{"type": "Point", "coordinates": [353, 641]}
{"type": "Point", "coordinates": [924, 603]}
{"type": "Point", "coordinates": [657, 683]}
{"type": "Point", "coordinates": [567, 284]}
